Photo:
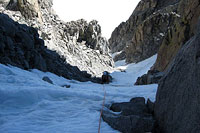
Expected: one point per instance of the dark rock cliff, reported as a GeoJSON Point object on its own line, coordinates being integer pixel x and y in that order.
{"type": "Point", "coordinates": [177, 103]}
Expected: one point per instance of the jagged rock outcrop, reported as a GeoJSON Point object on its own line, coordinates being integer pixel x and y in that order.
{"type": "Point", "coordinates": [78, 42]}
{"type": "Point", "coordinates": [155, 26]}
{"type": "Point", "coordinates": [91, 34]}
{"type": "Point", "coordinates": [21, 46]}
{"type": "Point", "coordinates": [177, 103]}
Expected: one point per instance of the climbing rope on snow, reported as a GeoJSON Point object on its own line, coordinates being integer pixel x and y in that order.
{"type": "Point", "coordinates": [104, 98]}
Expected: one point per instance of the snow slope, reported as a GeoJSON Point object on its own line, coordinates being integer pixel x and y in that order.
{"type": "Point", "coordinates": [30, 105]}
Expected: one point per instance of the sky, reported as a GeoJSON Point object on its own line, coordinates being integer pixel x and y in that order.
{"type": "Point", "coordinates": [109, 13]}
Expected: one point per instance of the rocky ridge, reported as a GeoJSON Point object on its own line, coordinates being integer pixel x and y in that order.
{"type": "Point", "coordinates": [79, 43]}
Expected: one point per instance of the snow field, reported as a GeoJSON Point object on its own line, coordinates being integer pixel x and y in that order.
{"type": "Point", "coordinates": [30, 105]}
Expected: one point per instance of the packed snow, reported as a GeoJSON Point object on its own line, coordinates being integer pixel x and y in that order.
{"type": "Point", "coordinates": [30, 105]}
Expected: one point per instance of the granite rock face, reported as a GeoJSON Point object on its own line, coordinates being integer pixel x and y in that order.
{"type": "Point", "coordinates": [177, 99]}
{"type": "Point", "coordinates": [155, 26]}
{"type": "Point", "coordinates": [141, 35]}
{"type": "Point", "coordinates": [79, 43]}
{"type": "Point", "coordinates": [179, 32]}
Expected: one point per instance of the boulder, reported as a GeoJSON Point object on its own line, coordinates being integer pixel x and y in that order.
{"type": "Point", "coordinates": [133, 116]}
{"type": "Point", "coordinates": [129, 124]}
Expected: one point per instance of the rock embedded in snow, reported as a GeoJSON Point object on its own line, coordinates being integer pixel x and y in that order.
{"type": "Point", "coordinates": [47, 79]}
{"type": "Point", "coordinates": [152, 77]}
{"type": "Point", "coordinates": [133, 117]}
{"type": "Point", "coordinates": [138, 100]}
{"type": "Point", "coordinates": [66, 86]}
{"type": "Point", "coordinates": [129, 124]}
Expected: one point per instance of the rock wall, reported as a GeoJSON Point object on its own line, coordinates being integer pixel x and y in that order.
{"type": "Point", "coordinates": [142, 34]}
{"type": "Point", "coordinates": [80, 43]}
{"type": "Point", "coordinates": [177, 103]}
{"type": "Point", "coordinates": [155, 26]}
{"type": "Point", "coordinates": [180, 31]}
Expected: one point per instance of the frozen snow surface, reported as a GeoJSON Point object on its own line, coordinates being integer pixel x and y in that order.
{"type": "Point", "coordinates": [30, 105]}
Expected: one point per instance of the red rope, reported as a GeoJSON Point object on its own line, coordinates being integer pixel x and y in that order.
{"type": "Point", "coordinates": [104, 98]}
